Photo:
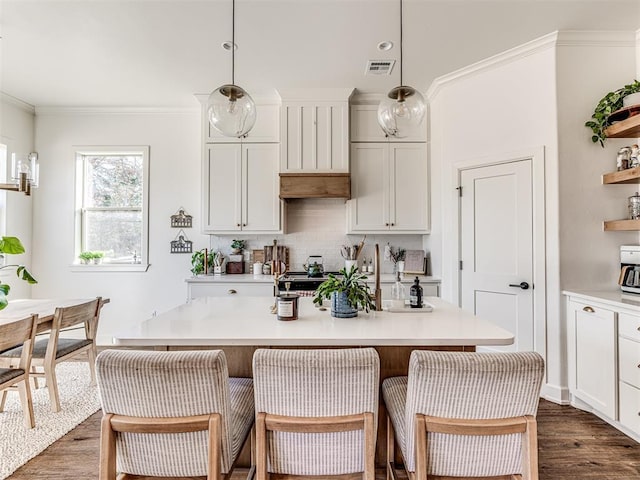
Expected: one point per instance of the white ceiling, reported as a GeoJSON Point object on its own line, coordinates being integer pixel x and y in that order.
{"type": "Point", "coordinates": [158, 53]}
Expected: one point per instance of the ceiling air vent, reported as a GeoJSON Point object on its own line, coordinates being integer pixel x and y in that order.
{"type": "Point", "coordinates": [379, 67]}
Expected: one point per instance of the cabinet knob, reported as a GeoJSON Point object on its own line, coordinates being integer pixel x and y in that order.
{"type": "Point", "coordinates": [588, 309]}
{"type": "Point", "coordinates": [237, 224]}
{"type": "Point", "coordinates": [393, 224]}
{"type": "Point", "coordinates": [386, 224]}
{"type": "Point", "coordinates": [244, 224]}
{"type": "Point", "coordinates": [232, 291]}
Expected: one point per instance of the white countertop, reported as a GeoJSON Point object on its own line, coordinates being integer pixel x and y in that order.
{"type": "Point", "coordinates": [250, 278]}
{"type": "Point", "coordinates": [615, 298]}
{"type": "Point", "coordinates": [247, 321]}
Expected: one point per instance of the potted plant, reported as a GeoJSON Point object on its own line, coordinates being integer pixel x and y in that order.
{"type": "Point", "coordinates": [348, 293]}
{"type": "Point", "coordinates": [85, 257]}
{"type": "Point", "coordinates": [238, 246]}
{"type": "Point", "coordinates": [12, 246]}
{"type": "Point", "coordinates": [97, 257]}
{"type": "Point", "coordinates": [610, 103]}
{"type": "Point", "coordinates": [197, 261]}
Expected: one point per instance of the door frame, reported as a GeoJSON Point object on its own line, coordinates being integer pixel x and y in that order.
{"type": "Point", "coordinates": [536, 155]}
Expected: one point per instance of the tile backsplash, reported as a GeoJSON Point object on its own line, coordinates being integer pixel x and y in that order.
{"type": "Point", "coordinates": [316, 227]}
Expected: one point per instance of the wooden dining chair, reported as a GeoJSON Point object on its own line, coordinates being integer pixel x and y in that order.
{"type": "Point", "coordinates": [316, 412]}
{"type": "Point", "coordinates": [49, 351]}
{"type": "Point", "coordinates": [465, 414]}
{"type": "Point", "coordinates": [14, 375]}
{"type": "Point", "coordinates": [171, 414]}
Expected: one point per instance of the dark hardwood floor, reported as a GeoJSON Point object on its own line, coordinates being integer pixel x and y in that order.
{"type": "Point", "coordinates": [573, 445]}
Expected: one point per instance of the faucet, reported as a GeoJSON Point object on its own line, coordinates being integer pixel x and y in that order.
{"type": "Point", "coordinates": [378, 291]}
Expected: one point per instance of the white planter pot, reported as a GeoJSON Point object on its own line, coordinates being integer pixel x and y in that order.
{"type": "Point", "coordinates": [633, 99]}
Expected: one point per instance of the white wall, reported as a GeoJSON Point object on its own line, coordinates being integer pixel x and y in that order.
{"type": "Point", "coordinates": [175, 159]}
{"type": "Point", "coordinates": [540, 95]}
{"type": "Point", "coordinates": [17, 132]}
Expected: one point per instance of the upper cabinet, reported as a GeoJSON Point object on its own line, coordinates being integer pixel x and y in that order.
{"type": "Point", "coordinates": [314, 130]}
{"type": "Point", "coordinates": [388, 188]}
{"type": "Point", "coordinates": [266, 129]}
{"type": "Point", "coordinates": [240, 190]}
{"type": "Point", "coordinates": [365, 126]}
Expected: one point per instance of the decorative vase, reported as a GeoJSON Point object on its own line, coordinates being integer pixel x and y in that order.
{"type": "Point", "coordinates": [400, 266]}
{"type": "Point", "coordinates": [340, 306]}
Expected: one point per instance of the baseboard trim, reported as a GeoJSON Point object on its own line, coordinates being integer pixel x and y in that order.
{"type": "Point", "coordinates": [555, 394]}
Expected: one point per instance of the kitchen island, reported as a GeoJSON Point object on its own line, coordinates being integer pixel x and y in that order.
{"type": "Point", "coordinates": [248, 321]}
{"type": "Point", "coordinates": [240, 324]}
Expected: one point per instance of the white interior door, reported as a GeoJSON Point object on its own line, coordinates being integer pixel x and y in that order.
{"type": "Point", "coordinates": [496, 235]}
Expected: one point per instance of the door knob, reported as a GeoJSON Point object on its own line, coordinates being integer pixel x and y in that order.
{"type": "Point", "coordinates": [522, 285]}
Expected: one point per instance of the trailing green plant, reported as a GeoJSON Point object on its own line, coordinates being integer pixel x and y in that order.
{"type": "Point", "coordinates": [353, 283]}
{"type": "Point", "coordinates": [12, 246]}
{"type": "Point", "coordinates": [608, 104]}
{"type": "Point", "coordinates": [197, 261]}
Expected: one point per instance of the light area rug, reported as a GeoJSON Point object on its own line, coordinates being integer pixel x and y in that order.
{"type": "Point", "coordinates": [78, 400]}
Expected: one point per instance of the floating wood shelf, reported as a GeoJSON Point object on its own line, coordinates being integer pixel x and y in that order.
{"type": "Point", "coordinates": [630, 175]}
{"type": "Point", "coordinates": [621, 225]}
{"type": "Point", "coordinates": [627, 128]}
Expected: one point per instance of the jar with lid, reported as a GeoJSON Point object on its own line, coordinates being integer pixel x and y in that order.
{"type": "Point", "coordinates": [623, 158]}
{"type": "Point", "coordinates": [634, 158]}
{"type": "Point", "coordinates": [634, 207]}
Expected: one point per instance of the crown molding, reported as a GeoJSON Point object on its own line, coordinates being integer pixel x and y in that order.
{"type": "Point", "coordinates": [596, 38]}
{"type": "Point", "coordinates": [537, 45]}
{"type": "Point", "coordinates": [260, 98]}
{"type": "Point", "coordinates": [114, 110]}
{"type": "Point", "coordinates": [360, 98]}
{"type": "Point", "coordinates": [16, 102]}
{"type": "Point", "coordinates": [585, 38]}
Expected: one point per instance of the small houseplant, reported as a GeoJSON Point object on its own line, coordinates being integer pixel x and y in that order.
{"type": "Point", "coordinates": [197, 261]}
{"type": "Point", "coordinates": [85, 257]}
{"type": "Point", "coordinates": [12, 246]}
{"type": "Point", "coordinates": [97, 257]}
{"type": "Point", "coordinates": [238, 246]}
{"type": "Point", "coordinates": [608, 104]}
{"type": "Point", "coordinates": [348, 293]}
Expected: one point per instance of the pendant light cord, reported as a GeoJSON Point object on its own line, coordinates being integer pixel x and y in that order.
{"type": "Point", "coordinates": [400, 43]}
{"type": "Point", "coordinates": [233, 42]}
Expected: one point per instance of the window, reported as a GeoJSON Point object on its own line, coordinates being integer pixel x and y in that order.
{"type": "Point", "coordinates": [112, 205]}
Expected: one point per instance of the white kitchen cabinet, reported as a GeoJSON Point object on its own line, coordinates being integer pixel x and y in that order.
{"type": "Point", "coordinates": [389, 188]}
{"type": "Point", "coordinates": [240, 189]}
{"type": "Point", "coordinates": [314, 130]}
{"type": "Point", "coordinates": [224, 289]}
{"type": "Point", "coordinates": [592, 339]}
{"type": "Point", "coordinates": [365, 126]}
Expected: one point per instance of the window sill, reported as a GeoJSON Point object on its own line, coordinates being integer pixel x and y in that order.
{"type": "Point", "coordinates": [110, 267]}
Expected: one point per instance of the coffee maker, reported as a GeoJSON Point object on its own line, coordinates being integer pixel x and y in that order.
{"type": "Point", "coordinates": [629, 279]}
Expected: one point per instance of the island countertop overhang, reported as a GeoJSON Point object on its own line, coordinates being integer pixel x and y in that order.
{"type": "Point", "coordinates": [246, 321]}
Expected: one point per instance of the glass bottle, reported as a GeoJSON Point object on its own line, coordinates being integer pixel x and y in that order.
{"type": "Point", "coordinates": [415, 294]}
{"type": "Point", "coordinates": [398, 293]}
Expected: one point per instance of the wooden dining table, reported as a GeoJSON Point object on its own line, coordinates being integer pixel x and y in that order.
{"type": "Point", "coordinates": [45, 308]}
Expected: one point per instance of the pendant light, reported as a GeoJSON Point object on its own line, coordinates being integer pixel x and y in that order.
{"type": "Point", "coordinates": [403, 108]}
{"type": "Point", "coordinates": [230, 108]}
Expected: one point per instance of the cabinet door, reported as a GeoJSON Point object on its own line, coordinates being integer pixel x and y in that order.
{"type": "Point", "coordinates": [265, 130]}
{"type": "Point", "coordinates": [409, 199]}
{"type": "Point", "coordinates": [222, 188]}
{"type": "Point", "coordinates": [592, 356]}
{"type": "Point", "coordinates": [368, 209]}
{"type": "Point", "coordinates": [365, 127]}
{"type": "Point", "coordinates": [315, 137]}
{"type": "Point", "coordinates": [261, 204]}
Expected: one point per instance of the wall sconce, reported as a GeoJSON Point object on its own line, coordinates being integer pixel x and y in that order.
{"type": "Point", "coordinates": [25, 171]}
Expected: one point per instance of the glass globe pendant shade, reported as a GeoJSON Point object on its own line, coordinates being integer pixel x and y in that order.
{"type": "Point", "coordinates": [231, 111]}
{"type": "Point", "coordinates": [401, 111]}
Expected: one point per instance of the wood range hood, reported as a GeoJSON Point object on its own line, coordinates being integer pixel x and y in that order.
{"type": "Point", "coordinates": [315, 185]}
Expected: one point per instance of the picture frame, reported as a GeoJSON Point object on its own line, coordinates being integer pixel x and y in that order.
{"type": "Point", "coordinates": [414, 262]}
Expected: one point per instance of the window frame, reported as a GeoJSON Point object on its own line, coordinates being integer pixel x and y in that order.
{"type": "Point", "coordinates": [80, 152]}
